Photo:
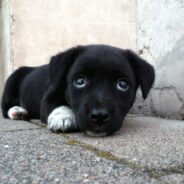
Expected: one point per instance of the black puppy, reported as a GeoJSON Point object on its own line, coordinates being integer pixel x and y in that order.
{"type": "Point", "coordinates": [86, 88]}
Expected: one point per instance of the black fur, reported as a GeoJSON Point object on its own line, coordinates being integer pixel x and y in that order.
{"type": "Point", "coordinates": [41, 89]}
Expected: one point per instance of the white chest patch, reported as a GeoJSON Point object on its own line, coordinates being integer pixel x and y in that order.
{"type": "Point", "coordinates": [62, 119]}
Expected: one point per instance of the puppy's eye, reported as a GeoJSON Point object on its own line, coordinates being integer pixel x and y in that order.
{"type": "Point", "coordinates": [80, 82]}
{"type": "Point", "coordinates": [122, 85]}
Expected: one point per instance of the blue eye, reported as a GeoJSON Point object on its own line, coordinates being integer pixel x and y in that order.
{"type": "Point", "coordinates": [122, 85]}
{"type": "Point", "coordinates": [80, 82]}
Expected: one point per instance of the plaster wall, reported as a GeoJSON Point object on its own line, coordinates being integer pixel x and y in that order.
{"type": "Point", "coordinates": [6, 65]}
{"type": "Point", "coordinates": [43, 28]}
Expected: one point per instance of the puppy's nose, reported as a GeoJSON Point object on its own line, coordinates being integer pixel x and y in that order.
{"type": "Point", "coordinates": [100, 115]}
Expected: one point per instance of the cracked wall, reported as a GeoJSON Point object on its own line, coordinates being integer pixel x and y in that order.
{"type": "Point", "coordinates": [160, 39]}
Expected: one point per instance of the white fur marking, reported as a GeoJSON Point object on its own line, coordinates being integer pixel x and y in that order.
{"type": "Point", "coordinates": [17, 113]}
{"type": "Point", "coordinates": [62, 118]}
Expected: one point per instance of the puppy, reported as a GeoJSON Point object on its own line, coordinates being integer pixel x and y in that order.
{"type": "Point", "coordinates": [86, 88]}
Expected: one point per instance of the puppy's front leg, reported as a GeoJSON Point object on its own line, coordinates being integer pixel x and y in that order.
{"type": "Point", "coordinates": [62, 119]}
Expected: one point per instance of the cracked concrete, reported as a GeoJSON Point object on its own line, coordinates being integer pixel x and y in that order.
{"type": "Point", "coordinates": [152, 143]}
{"type": "Point", "coordinates": [166, 103]}
{"type": "Point", "coordinates": [145, 150]}
{"type": "Point", "coordinates": [160, 32]}
{"type": "Point", "coordinates": [167, 94]}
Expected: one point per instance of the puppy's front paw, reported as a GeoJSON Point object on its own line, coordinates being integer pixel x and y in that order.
{"type": "Point", "coordinates": [17, 113]}
{"type": "Point", "coordinates": [62, 119]}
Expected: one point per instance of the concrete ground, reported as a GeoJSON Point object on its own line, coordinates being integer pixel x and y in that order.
{"type": "Point", "coordinates": [145, 150]}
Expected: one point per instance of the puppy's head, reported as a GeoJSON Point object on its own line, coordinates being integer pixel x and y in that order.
{"type": "Point", "coordinates": [100, 84]}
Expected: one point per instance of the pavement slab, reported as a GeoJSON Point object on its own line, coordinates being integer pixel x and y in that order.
{"type": "Point", "coordinates": [146, 150]}
{"type": "Point", "coordinates": [10, 125]}
{"type": "Point", "coordinates": [148, 142]}
{"type": "Point", "coordinates": [173, 179]}
{"type": "Point", "coordinates": [39, 156]}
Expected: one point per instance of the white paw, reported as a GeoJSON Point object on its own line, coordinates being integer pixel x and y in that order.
{"type": "Point", "coordinates": [17, 113]}
{"type": "Point", "coordinates": [62, 119]}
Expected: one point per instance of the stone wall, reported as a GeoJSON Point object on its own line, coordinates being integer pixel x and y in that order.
{"type": "Point", "coordinates": [154, 29]}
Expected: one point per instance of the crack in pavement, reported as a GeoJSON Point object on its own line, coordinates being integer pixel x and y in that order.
{"type": "Point", "coordinates": [18, 130]}
{"type": "Point", "coordinates": [153, 173]}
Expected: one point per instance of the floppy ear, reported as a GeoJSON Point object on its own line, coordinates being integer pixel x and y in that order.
{"type": "Point", "coordinates": [60, 64]}
{"type": "Point", "coordinates": [55, 93]}
{"type": "Point", "coordinates": [144, 72]}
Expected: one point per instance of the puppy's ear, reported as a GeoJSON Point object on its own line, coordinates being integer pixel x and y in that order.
{"type": "Point", "coordinates": [55, 92]}
{"type": "Point", "coordinates": [144, 72]}
{"type": "Point", "coordinates": [60, 64]}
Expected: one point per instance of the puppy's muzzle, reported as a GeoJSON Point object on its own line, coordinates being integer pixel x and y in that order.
{"type": "Point", "coordinates": [99, 116]}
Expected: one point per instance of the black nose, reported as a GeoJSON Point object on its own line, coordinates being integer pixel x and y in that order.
{"type": "Point", "coordinates": [100, 115]}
